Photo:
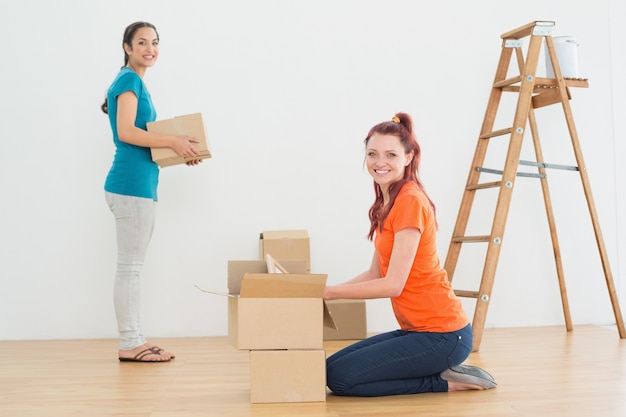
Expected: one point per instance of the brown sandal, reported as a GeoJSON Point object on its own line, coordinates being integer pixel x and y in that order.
{"type": "Point", "coordinates": [154, 350]}
{"type": "Point", "coordinates": [158, 351]}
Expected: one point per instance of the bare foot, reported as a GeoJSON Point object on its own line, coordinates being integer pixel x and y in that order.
{"type": "Point", "coordinates": [145, 353]}
{"type": "Point", "coordinates": [162, 352]}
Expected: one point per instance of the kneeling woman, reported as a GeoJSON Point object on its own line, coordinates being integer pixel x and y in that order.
{"type": "Point", "coordinates": [435, 336]}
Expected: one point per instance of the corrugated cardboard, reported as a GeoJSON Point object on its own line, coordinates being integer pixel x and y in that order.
{"type": "Point", "coordinates": [350, 319]}
{"type": "Point", "coordinates": [287, 376]}
{"type": "Point", "coordinates": [187, 125]}
{"type": "Point", "coordinates": [279, 311]}
{"type": "Point", "coordinates": [286, 244]}
{"type": "Point", "coordinates": [237, 269]}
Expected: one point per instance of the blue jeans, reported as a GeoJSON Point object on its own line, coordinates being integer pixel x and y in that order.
{"type": "Point", "coordinates": [134, 222]}
{"type": "Point", "coordinates": [396, 363]}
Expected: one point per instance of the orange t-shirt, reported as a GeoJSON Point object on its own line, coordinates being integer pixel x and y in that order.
{"type": "Point", "coordinates": [427, 302]}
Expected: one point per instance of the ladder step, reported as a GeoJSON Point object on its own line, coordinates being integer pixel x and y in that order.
{"type": "Point", "coordinates": [508, 82]}
{"type": "Point", "coordinates": [495, 133]}
{"type": "Point", "coordinates": [468, 294]}
{"type": "Point", "coordinates": [543, 84]}
{"type": "Point", "coordinates": [548, 96]}
{"type": "Point", "coordinates": [569, 82]}
{"type": "Point", "coordinates": [483, 186]}
{"type": "Point", "coordinates": [470, 239]}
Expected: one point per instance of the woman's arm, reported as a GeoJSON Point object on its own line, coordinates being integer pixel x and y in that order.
{"type": "Point", "coordinates": [372, 273]}
{"type": "Point", "coordinates": [127, 131]}
{"type": "Point", "coordinates": [368, 285]}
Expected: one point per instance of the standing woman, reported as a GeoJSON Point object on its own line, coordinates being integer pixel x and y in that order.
{"type": "Point", "coordinates": [435, 336]}
{"type": "Point", "coordinates": [131, 184]}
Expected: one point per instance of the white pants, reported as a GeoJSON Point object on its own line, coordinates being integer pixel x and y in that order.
{"type": "Point", "coordinates": [134, 222]}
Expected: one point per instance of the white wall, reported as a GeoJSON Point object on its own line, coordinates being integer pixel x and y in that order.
{"type": "Point", "coordinates": [288, 90]}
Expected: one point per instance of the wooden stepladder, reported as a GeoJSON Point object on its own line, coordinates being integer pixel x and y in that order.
{"type": "Point", "coordinates": [533, 93]}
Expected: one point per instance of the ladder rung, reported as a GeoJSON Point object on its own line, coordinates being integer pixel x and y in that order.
{"type": "Point", "coordinates": [508, 82]}
{"type": "Point", "coordinates": [500, 132]}
{"type": "Point", "coordinates": [471, 239]}
{"type": "Point", "coordinates": [468, 294]}
{"type": "Point", "coordinates": [484, 185]}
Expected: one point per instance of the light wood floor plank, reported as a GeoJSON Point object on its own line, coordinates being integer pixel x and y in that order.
{"type": "Point", "coordinates": [542, 371]}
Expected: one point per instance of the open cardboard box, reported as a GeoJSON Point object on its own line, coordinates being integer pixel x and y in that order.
{"type": "Point", "coordinates": [279, 311]}
{"type": "Point", "coordinates": [275, 311]}
{"type": "Point", "coordinates": [187, 125]}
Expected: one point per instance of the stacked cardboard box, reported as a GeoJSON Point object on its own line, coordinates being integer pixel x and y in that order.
{"type": "Point", "coordinates": [348, 315]}
{"type": "Point", "coordinates": [282, 319]}
{"type": "Point", "coordinates": [294, 375]}
{"type": "Point", "coordinates": [286, 244]}
{"type": "Point", "coordinates": [279, 318]}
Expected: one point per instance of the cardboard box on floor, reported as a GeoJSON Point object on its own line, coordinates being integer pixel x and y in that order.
{"type": "Point", "coordinates": [286, 244]}
{"type": "Point", "coordinates": [187, 125]}
{"type": "Point", "coordinates": [350, 319]}
{"type": "Point", "coordinates": [279, 376]}
{"type": "Point", "coordinates": [275, 311]}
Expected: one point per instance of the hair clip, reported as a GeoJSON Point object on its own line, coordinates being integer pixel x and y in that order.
{"type": "Point", "coordinates": [395, 119]}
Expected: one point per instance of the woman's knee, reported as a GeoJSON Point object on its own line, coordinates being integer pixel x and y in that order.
{"type": "Point", "coordinates": [337, 384]}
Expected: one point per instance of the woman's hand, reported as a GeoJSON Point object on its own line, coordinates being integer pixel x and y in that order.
{"type": "Point", "coordinates": [193, 162]}
{"type": "Point", "coordinates": [184, 146]}
{"type": "Point", "coordinates": [370, 284]}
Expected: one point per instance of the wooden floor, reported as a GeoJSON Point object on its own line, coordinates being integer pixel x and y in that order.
{"type": "Point", "coordinates": [542, 371]}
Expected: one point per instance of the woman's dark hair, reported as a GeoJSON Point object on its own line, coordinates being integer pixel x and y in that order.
{"type": "Point", "coordinates": [129, 34]}
{"type": "Point", "coordinates": [400, 126]}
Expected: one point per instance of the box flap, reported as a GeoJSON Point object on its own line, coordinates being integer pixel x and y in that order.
{"type": "Point", "coordinates": [328, 318]}
{"type": "Point", "coordinates": [283, 285]}
{"type": "Point", "coordinates": [273, 266]}
{"type": "Point", "coordinates": [236, 270]}
{"type": "Point", "coordinates": [222, 293]}
{"type": "Point", "coordinates": [350, 318]}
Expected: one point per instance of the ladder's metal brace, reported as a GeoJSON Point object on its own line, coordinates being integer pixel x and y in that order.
{"type": "Point", "coordinates": [513, 43]}
{"type": "Point", "coordinates": [531, 164]}
{"type": "Point", "coordinates": [545, 165]}
{"type": "Point", "coordinates": [543, 28]}
{"type": "Point", "coordinates": [519, 174]}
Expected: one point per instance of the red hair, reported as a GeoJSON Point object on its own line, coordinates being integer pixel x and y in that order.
{"type": "Point", "coordinates": [400, 126]}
